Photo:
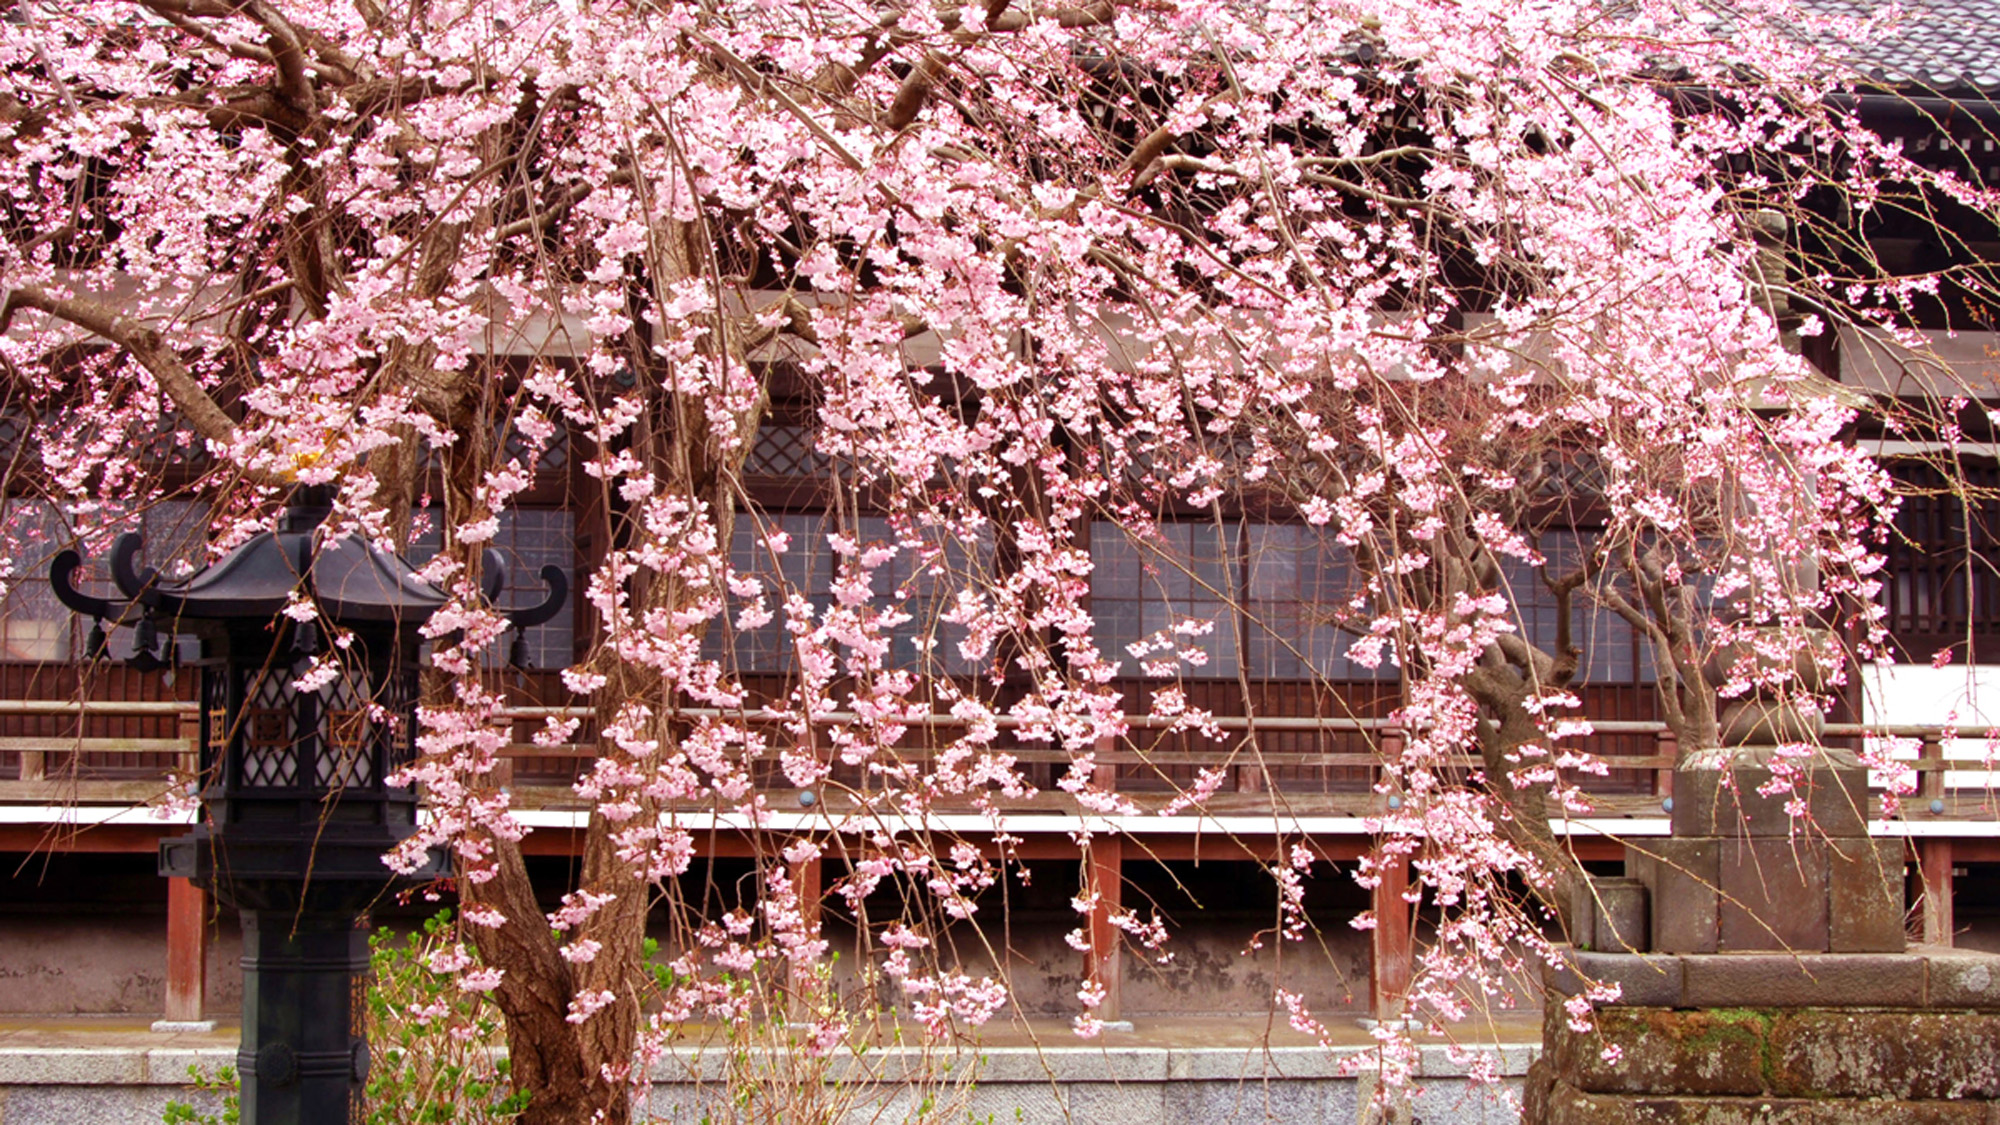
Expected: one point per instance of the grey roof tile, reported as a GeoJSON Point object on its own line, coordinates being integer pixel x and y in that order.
{"type": "Point", "coordinates": [1939, 46]}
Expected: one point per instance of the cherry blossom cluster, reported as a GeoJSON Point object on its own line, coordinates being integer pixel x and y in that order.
{"type": "Point", "coordinates": [1417, 277]}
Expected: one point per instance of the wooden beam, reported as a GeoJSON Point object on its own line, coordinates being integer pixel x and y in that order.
{"type": "Point", "coordinates": [1607, 848]}
{"type": "Point", "coordinates": [187, 951]}
{"type": "Point", "coordinates": [808, 881]}
{"type": "Point", "coordinates": [1392, 948]}
{"type": "Point", "coordinates": [1934, 862]}
{"type": "Point", "coordinates": [1978, 849]}
{"type": "Point", "coordinates": [126, 838]}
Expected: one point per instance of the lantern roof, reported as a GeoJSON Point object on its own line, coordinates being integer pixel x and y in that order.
{"type": "Point", "coordinates": [348, 579]}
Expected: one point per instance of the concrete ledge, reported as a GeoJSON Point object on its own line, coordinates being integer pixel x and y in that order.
{"type": "Point", "coordinates": [1122, 1084]}
{"type": "Point", "coordinates": [1129, 1085]}
{"type": "Point", "coordinates": [168, 1066]}
{"type": "Point", "coordinates": [108, 1066]}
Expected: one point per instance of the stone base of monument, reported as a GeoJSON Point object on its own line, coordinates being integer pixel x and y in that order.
{"type": "Point", "coordinates": [1813, 1039]}
{"type": "Point", "coordinates": [1763, 970]}
{"type": "Point", "coordinates": [1742, 872]}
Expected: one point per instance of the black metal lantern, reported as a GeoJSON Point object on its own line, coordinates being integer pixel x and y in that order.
{"type": "Point", "coordinates": [294, 776]}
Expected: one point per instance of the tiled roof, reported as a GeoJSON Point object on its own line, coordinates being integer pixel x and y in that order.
{"type": "Point", "coordinates": [1939, 46]}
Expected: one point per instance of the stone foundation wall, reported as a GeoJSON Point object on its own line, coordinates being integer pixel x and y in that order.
{"type": "Point", "coordinates": [1815, 1039]}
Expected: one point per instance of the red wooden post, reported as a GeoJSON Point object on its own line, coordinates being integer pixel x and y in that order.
{"type": "Point", "coordinates": [1668, 748]}
{"type": "Point", "coordinates": [1389, 975]}
{"type": "Point", "coordinates": [1392, 953]}
{"type": "Point", "coordinates": [807, 878]}
{"type": "Point", "coordinates": [1103, 963]}
{"type": "Point", "coordinates": [808, 883]}
{"type": "Point", "coordinates": [1934, 861]}
{"type": "Point", "coordinates": [187, 952]}
{"type": "Point", "coordinates": [1389, 745]}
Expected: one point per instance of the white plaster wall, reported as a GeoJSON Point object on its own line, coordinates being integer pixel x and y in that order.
{"type": "Point", "coordinates": [1967, 695]}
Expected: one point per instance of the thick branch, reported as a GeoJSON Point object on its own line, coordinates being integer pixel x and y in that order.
{"type": "Point", "coordinates": [232, 46]}
{"type": "Point", "coordinates": [916, 88]}
{"type": "Point", "coordinates": [142, 343]}
{"type": "Point", "coordinates": [535, 989]}
{"type": "Point", "coordinates": [290, 56]}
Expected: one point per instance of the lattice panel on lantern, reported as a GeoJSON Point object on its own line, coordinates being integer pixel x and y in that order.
{"type": "Point", "coordinates": [269, 734]}
{"type": "Point", "coordinates": [214, 715]}
{"type": "Point", "coordinates": [395, 730]}
{"type": "Point", "coordinates": [346, 737]}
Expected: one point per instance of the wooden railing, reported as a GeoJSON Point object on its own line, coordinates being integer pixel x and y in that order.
{"type": "Point", "coordinates": [32, 752]}
{"type": "Point", "coordinates": [86, 766]}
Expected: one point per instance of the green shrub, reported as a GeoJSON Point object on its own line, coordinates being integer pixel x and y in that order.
{"type": "Point", "coordinates": [433, 1046]}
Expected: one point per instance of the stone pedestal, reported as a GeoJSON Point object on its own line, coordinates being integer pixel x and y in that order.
{"type": "Point", "coordinates": [1763, 969]}
{"type": "Point", "coordinates": [1742, 873]}
{"type": "Point", "coordinates": [1815, 1039]}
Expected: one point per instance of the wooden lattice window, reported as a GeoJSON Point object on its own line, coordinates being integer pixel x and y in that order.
{"type": "Point", "coordinates": [922, 580]}
{"type": "Point", "coordinates": [34, 627]}
{"type": "Point", "coordinates": [784, 449]}
{"type": "Point", "coordinates": [1941, 586]}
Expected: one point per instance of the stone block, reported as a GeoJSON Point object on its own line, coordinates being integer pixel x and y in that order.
{"type": "Point", "coordinates": [1725, 802]}
{"type": "Point", "coordinates": [1837, 800]}
{"type": "Point", "coordinates": [1767, 722]}
{"type": "Point", "coordinates": [1582, 918]}
{"type": "Point", "coordinates": [1569, 1106]}
{"type": "Point", "coordinates": [1774, 895]}
{"type": "Point", "coordinates": [1535, 1091]}
{"type": "Point", "coordinates": [1644, 980]}
{"type": "Point", "coordinates": [1865, 896]}
{"type": "Point", "coordinates": [1711, 802]}
{"type": "Point", "coordinates": [1681, 876]}
{"type": "Point", "coordinates": [1762, 980]}
{"type": "Point", "coordinates": [1848, 1053]}
{"type": "Point", "coordinates": [1667, 1051]}
{"type": "Point", "coordinates": [1961, 978]}
{"type": "Point", "coordinates": [1609, 914]}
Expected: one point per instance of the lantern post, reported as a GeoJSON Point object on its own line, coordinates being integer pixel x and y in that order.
{"type": "Point", "coordinates": [298, 811]}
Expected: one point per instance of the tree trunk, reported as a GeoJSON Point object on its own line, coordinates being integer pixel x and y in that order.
{"type": "Point", "coordinates": [535, 990]}
{"type": "Point", "coordinates": [1528, 827]}
{"type": "Point", "coordinates": [573, 1073]}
